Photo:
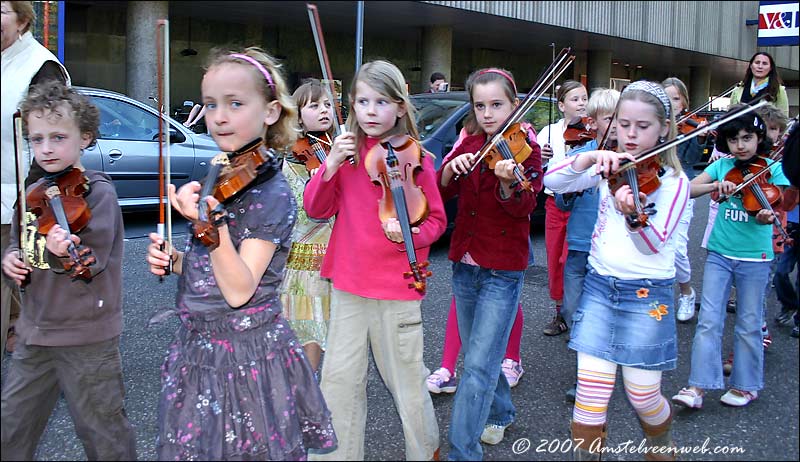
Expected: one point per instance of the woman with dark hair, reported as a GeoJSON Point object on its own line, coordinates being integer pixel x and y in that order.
{"type": "Point", "coordinates": [762, 78]}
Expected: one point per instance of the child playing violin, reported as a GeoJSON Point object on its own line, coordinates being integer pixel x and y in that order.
{"type": "Point", "coordinates": [235, 381]}
{"type": "Point", "coordinates": [739, 252]}
{"type": "Point", "coordinates": [489, 250]}
{"type": "Point", "coordinates": [371, 302]}
{"type": "Point", "coordinates": [306, 296]}
{"type": "Point", "coordinates": [572, 98]}
{"type": "Point", "coordinates": [70, 348]}
{"type": "Point", "coordinates": [625, 314]}
{"type": "Point", "coordinates": [688, 153]}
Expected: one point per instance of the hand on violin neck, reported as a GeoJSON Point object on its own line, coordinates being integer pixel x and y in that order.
{"type": "Point", "coordinates": [504, 170]}
{"type": "Point", "coordinates": [344, 146]}
{"type": "Point", "coordinates": [624, 200]}
{"type": "Point", "coordinates": [393, 232]}
{"type": "Point", "coordinates": [185, 201]}
{"type": "Point", "coordinates": [58, 241]}
{"type": "Point", "coordinates": [766, 216]}
{"type": "Point", "coordinates": [547, 152]}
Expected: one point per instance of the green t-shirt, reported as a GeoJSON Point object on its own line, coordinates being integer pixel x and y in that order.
{"type": "Point", "coordinates": [736, 234]}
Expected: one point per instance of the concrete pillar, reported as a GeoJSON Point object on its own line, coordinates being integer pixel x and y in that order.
{"type": "Point", "coordinates": [598, 69]}
{"type": "Point", "coordinates": [140, 60]}
{"type": "Point", "coordinates": [437, 54]}
{"type": "Point", "coordinates": [699, 86]}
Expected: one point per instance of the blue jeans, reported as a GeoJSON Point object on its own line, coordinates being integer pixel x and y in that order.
{"type": "Point", "coordinates": [486, 304]}
{"type": "Point", "coordinates": [574, 274]}
{"type": "Point", "coordinates": [750, 279]}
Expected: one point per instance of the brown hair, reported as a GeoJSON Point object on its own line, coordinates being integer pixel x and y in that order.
{"type": "Point", "coordinates": [772, 114]}
{"type": "Point", "coordinates": [565, 88]}
{"type": "Point", "coordinates": [283, 133]}
{"type": "Point", "coordinates": [24, 12]}
{"type": "Point", "coordinates": [482, 77]}
{"type": "Point", "coordinates": [51, 96]}
{"type": "Point", "coordinates": [311, 90]}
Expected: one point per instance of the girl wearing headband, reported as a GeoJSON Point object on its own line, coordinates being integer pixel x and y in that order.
{"type": "Point", "coordinates": [739, 252]}
{"type": "Point", "coordinates": [489, 249]}
{"type": "Point", "coordinates": [625, 316]}
{"type": "Point", "coordinates": [235, 381]}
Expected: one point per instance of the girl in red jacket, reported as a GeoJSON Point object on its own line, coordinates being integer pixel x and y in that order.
{"type": "Point", "coordinates": [489, 250]}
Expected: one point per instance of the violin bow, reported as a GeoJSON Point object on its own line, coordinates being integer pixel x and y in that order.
{"type": "Point", "coordinates": [22, 205]}
{"type": "Point", "coordinates": [164, 168]}
{"type": "Point", "coordinates": [658, 149]}
{"type": "Point", "coordinates": [707, 103]}
{"type": "Point", "coordinates": [552, 95]}
{"type": "Point", "coordinates": [322, 54]}
{"type": "Point", "coordinates": [550, 75]}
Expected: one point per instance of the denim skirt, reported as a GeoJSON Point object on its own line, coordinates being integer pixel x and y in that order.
{"type": "Point", "coordinates": [628, 322]}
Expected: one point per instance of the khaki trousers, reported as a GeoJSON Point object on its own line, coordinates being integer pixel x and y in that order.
{"type": "Point", "coordinates": [394, 331]}
{"type": "Point", "coordinates": [9, 293]}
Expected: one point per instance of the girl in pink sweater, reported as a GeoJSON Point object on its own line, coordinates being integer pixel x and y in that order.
{"type": "Point", "coordinates": [371, 302]}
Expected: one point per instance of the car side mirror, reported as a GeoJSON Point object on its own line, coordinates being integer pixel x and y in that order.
{"type": "Point", "coordinates": [175, 136]}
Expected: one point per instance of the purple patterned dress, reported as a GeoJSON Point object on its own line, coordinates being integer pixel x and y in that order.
{"type": "Point", "coordinates": [235, 382]}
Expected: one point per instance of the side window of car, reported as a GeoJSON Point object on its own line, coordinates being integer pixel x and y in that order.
{"type": "Point", "coordinates": [124, 121]}
{"type": "Point", "coordinates": [540, 114]}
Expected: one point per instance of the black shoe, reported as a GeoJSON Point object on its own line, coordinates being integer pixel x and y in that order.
{"type": "Point", "coordinates": [556, 327]}
{"type": "Point", "coordinates": [570, 395]}
{"type": "Point", "coordinates": [731, 308]}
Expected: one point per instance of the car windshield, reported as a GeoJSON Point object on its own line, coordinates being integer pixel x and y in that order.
{"type": "Point", "coordinates": [431, 112]}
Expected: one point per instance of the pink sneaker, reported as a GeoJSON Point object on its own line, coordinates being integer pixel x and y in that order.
{"type": "Point", "coordinates": [441, 381]}
{"type": "Point", "coordinates": [513, 372]}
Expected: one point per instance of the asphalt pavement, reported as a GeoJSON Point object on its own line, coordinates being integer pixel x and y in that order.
{"type": "Point", "coordinates": [767, 429]}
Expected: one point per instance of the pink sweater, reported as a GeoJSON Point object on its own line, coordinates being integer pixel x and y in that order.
{"type": "Point", "coordinates": [360, 259]}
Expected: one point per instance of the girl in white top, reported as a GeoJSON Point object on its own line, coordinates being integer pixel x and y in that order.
{"type": "Point", "coordinates": [625, 314]}
{"type": "Point", "coordinates": [572, 100]}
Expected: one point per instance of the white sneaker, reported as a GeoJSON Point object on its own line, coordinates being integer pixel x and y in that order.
{"type": "Point", "coordinates": [686, 307]}
{"type": "Point", "coordinates": [493, 434]}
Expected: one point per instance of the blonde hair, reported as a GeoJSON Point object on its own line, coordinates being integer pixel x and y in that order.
{"type": "Point", "coordinates": [681, 87]}
{"type": "Point", "coordinates": [482, 77]}
{"type": "Point", "coordinates": [602, 100]}
{"type": "Point", "coordinates": [24, 12]}
{"type": "Point", "coordinates": [772, 114]}
{"type": "Point", "coordinates": [282, 134]}
{"type": "Point", "coordinates": [386, 79]}
{"type": "Point", "coordinates": [668, 157]}
{"type": "Point", "coordinates": [310, 91]}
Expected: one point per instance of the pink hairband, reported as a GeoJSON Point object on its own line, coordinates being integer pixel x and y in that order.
{"type": "Point", "coordinates": [503, 73]}
{"type": "Point", "coordinates": [257, 65]}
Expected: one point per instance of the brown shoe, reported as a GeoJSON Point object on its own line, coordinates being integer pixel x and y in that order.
{"type": "Point", "coordinates": [659, 437]}
{"type": "Point", "coordinates": [588, 441]}
{"type": "Point", "coordinates": [556, 327]}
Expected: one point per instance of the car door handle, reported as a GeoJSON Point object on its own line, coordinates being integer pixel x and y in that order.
{"type": "Point", "coordinates": [114, 154]}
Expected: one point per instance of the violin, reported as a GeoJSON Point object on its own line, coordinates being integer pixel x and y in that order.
{"type": "Point", "coordinates": [579, 133]}
{"type": "Point", "coordinates": [230, 174]}
{"type": "Point", "coordinates": [759, 194]}
{"type": "Point", "coordinates": [393, 165]}
{"type": "Point", "coordinates": [312, 151]}
{"type": "Point", "coordinates": [641, 176]}
{"type": "Point", "coordinates": [513, 145]}
{"type": "Point", "coordinates": [59, 199]}
{"type": "Point", "coordinates": [690, 123]}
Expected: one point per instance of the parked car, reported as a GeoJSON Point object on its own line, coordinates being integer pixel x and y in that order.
{"type": "Point", "coordinates": [127, 149]}
{"type": "Point", "coordinates": [440, 117]}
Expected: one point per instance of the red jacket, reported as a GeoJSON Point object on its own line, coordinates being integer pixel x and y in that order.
{"type": "Point", "coordinates": [495, 232]}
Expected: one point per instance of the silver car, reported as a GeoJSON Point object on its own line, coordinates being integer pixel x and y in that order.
{"type": "Point", "coordinates": [127, 149]}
